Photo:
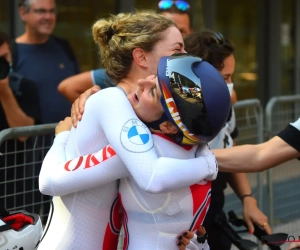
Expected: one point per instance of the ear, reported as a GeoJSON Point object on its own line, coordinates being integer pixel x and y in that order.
{"type": "Point", "coordinates": [139, 57]}
{"type": "Point", "coordinates": [22, 13]}
{"type": "Point", "coordinates": [167, 127]}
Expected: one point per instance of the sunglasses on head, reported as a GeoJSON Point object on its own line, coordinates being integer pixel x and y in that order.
{"type": "Point", "coordinates": [180, 5]}
{"type": "Point", "coordinates": [219, 38]}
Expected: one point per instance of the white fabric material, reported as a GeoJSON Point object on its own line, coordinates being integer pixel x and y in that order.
{"type": "Point", "coordinates": [230, 87]}
{"type": "Point", "coordinates": [223, 138]}
{"type": "Point", "coordinates": [81, 220]}
{"type": "Point", "coordinates": [195, 245]}
{"type": "Point", "coordinates": [163, 216]}
{"type": "Point", "coordinates": [296, 124]}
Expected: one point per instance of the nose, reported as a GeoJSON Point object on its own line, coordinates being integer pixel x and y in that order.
{"type": "Point", "coordinates": [148, 83]}
{"type": "Point", "coordinates": [48, 15]}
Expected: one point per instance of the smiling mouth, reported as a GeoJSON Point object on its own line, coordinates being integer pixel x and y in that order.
{"type": "Point", "coordinates": [136, 97]}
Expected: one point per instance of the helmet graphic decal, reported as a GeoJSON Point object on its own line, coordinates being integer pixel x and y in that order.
{"type": "Point", "coordinates": [172, 107]}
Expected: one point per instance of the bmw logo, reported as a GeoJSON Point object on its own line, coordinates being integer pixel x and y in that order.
{"type": "Point", "coordinates": [136, 137]}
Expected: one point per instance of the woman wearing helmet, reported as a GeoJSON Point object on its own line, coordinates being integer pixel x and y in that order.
{"type": "Point", "coordinates": [164, 179]}
{"type": "Point", "coordinates": [197, 121]}
{"type": "Point", "coordinates": [19, 230]}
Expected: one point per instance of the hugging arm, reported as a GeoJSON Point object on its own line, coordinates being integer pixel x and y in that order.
{"type": "Point", "coordinates": [133, 143]}
{"type": "Point", "coordinates": [60, 177]}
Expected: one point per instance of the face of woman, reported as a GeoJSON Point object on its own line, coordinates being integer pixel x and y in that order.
{"type": "Point", "coordinates": [172, 43]}
{"type": "Point", "coordinates": [146, 100]}
{"type": "Point", "coordinates": [228, 69]}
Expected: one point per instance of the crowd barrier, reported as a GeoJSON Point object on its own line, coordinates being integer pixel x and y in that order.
{"type": "Point", "coordinates": [283, 181]}
{"type": "Point", "coordinates": [277, 190]}
{"type": "Point", "coordinates": [19, 170]}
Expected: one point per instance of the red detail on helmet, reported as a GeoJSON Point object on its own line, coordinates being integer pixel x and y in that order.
{"type": "Point", "coordinates": [18, 221]}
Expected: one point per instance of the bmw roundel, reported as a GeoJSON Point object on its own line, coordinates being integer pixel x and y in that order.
{"type": "Point", "coordinates": [136, 137]}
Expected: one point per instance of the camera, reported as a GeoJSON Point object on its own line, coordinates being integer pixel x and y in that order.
{"type": "Point", "coordinates": [4, 68]}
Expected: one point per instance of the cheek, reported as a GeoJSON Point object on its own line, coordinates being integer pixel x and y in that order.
{"type": "Point", "coordinates": [53, 19]}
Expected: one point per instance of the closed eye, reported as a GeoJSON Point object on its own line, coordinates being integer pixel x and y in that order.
{"type": "Point", "coordinates": [152, 91]}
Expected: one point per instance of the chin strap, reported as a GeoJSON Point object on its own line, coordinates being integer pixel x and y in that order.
{"type": "Point", "coordinates": [155, 124]}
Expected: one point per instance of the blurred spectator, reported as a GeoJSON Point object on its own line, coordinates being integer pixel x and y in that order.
{"type": "Point", "coordinates": [19, 106]}
{"type": "Point", "coordinates": [178, 11]}
{"type": "Point", "coordinates": [44, 58]}
{"type": "Point", "coordinates": [73, 86]}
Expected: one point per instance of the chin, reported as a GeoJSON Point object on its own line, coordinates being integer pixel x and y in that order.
{"type": "Point", "coordinates": [45, 32]}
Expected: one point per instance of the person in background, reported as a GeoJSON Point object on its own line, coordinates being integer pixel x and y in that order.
{"type": "Point", "coordinates": [44, 58]}
{"type": "Point", "coordinates": [19, 106]}
{"type": "Point", "coordinates": [178, 11]}
{"type": "Point", "coordinates": [72, 87]}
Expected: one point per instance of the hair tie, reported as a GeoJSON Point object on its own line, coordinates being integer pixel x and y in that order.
{"type": "Point", "coordinates": [110, 32]}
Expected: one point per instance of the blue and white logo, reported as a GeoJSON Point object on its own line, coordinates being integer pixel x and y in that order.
{"type": "Point", "coordinates": [136, 137]}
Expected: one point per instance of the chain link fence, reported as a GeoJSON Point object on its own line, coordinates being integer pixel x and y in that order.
{"type": "Point", "coordinates": [283, 193]}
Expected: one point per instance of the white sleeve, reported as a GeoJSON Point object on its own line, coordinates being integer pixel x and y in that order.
{"type": "Point", "coordinates": [58, 177]}
{"type": "Point", "coordinates": [212, 163]}
{"type": "Point", "coordinates": [109, 110]}
{"type": "Point", "coordinates": [232, 122]}
{"type": "Point", "coordinates": [296, 124]}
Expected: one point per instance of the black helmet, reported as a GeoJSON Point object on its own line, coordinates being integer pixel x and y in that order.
{"type": "Point", "coordinates": [195, 97]}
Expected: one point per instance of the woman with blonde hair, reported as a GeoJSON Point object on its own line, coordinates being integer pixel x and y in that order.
{"type": "Point", "coordinates": [131, 45]}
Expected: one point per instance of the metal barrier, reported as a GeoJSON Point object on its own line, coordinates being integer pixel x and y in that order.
{"type": "Point", "coordinates": [20, 164]}
{"type": "Point", "coordinates": [249, 120]}
{"type": "Point", "coordinates": [283, 182]}
{"type": "Point", "coordinates": [20, 167]}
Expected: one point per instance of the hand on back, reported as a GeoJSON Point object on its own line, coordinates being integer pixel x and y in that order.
{"type": "Point", "coordinates": [64, 125]}
{"type": "Point", "coordinates": [78, 106]}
